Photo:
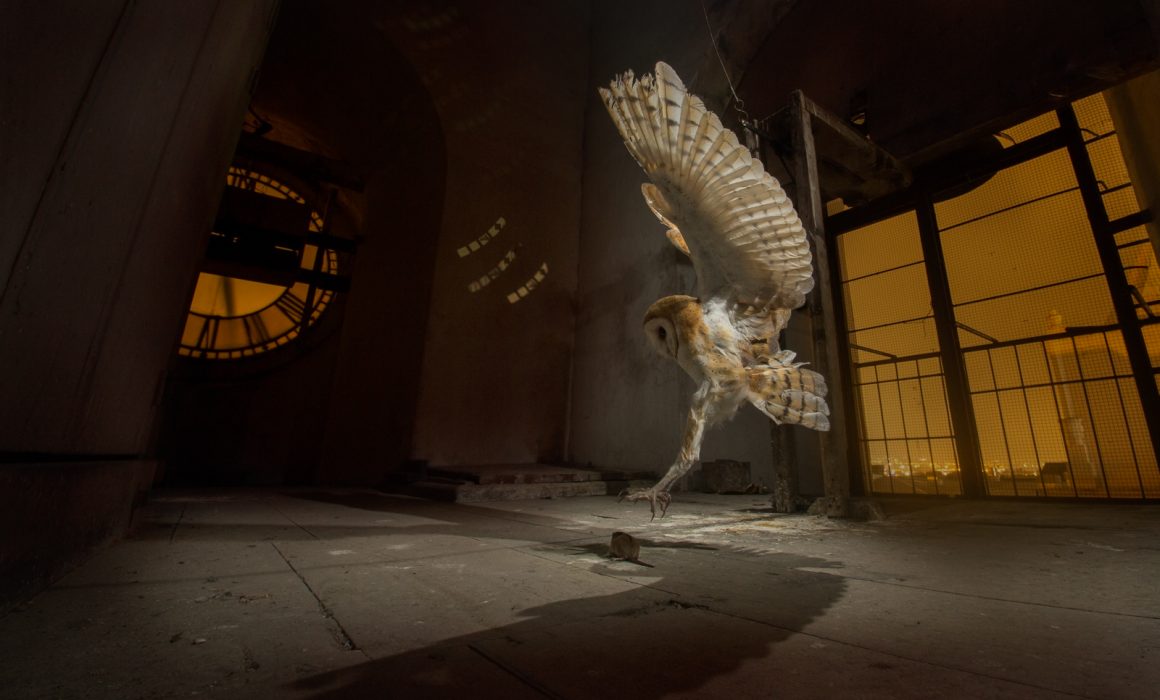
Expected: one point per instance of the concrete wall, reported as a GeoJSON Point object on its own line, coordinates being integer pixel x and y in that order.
{"type": "Point", "coordinates": [337, 405]}
{"type": "Point", "coordinates": [457, 116]}
{"type": "Point", "coordinates": [53, 512]}
{"type": "Point", "coordinates": [510, 92]}
{"type": "Point", "coordinates": [629, 405]}
{"type": "Point", "coordinates": [117, 123]}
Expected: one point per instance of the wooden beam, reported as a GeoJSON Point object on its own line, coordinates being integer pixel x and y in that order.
{"type": "Point", "coordinates": [304, 164]}
{"type": "Point", "coordinates": [820, 305]}
{"type": "Point", "coordinates": [848, 164]}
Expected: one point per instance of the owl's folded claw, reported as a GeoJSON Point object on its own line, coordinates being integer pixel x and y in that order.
{"type": "Point", "coordinates": [652, 495]}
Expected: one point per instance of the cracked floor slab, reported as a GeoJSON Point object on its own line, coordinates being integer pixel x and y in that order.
{"type": "Point", "coordinates": [353, 593]}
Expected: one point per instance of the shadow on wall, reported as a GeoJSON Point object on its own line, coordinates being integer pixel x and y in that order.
{"type": "Point", "coordinates": [637, 643]}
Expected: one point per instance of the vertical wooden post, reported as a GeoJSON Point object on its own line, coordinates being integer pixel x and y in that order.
{"type": "Point", "coordinates": [785, 481]}
{"type": "Point", "coordinates": [820, 305]}
{"type": "Point", "coordinates": [781, 440]}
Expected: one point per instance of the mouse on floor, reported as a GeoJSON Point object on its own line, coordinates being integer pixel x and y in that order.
{"type": "Point", "coordinates": [625, 547]}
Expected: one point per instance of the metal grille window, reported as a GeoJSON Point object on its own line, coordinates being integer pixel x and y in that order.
{"type": "Point", "coordinates": [1054, 416]}
{"type": "Point", "coordinates": [904, 432]}
{"type": "Point", "coordinates": [1047, 386]}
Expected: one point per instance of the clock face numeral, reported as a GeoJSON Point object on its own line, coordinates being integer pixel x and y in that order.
{"type": "Point", "coordinates": [291, 306]}
{"type": "Point", "coordinates": [256, 331]}
{"type": "Point", "coordinates": [207, 338]}
{"type": "Point", "coordinates": [234, 318]}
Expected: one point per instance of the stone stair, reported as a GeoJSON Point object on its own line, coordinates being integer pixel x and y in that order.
{"type": "Point", "coordinates": [475, 484]}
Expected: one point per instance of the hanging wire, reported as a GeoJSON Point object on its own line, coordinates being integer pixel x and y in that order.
{"type": "Point", "coordinates": [738, 103]}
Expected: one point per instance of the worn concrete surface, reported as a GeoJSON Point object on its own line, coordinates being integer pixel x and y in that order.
{"type": "Point", "coordinates": [341, 593]}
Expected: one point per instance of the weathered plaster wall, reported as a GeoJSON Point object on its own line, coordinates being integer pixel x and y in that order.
{"type": "Point", "coordinates": [509, 87]}
{"type": "Point", "coordinates": [457, 115]}
{"type": "Point", "coordinates": [629, 405]}
{"type": "Point", "coordinates": [116, 122]}
{"type": "Point", "coordinates": [337, 406]}
{"type": "Point", "coordinates": [117, 176]}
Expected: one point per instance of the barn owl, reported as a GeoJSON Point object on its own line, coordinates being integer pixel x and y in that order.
{"type": "Point", "coordinates": [751, 257]}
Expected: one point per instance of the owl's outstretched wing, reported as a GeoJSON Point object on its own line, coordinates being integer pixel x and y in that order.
{"type": "Point", "coordinates": [721, 207]}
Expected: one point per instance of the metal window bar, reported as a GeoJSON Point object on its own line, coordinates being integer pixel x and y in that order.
{"type": "Point", "coordinates": [1038, 288]}
{"type": "Point", "coordinates": [883, 272]}
{"type": "Point", "coordinates": [904, 476]}
{"type": "Point", "coordinates": [1030, 422]}
{"type": "Point", "coordinates": [1059, 421]}
{"type": "Point", "coordinates": [872, 351]}
{"type": "Point", "coordinates": [1104, 189]}
{"type": "Point", "coordinates": [1004, 210]}
{"type": "Point", "coordinates": [882, 421]}
{"type": "Point", "coordinates": [1091, 417]}
{"type": "Point", "coordinates": [1133, 244]}
{"type": "Point", "coordinates": [1103, 231]}
{"type": "Point", "coordinates": [863, 449]}
{"type": "Point", "coordinates": [1124, 413]}
{"type": "Point", "coordinates": [1100, 445]}
{"type": "Point", "coordinates": [926, 429]}
{"type": "Point", "coordinates": [1102, 228]}
{"type": "Point", "coordinates": [1096, 137]}
{"type": "Point", "coordinates": [890, 323]}
{"type": "Point", "coordinates": [1002, 428]}
{"type": "Point", "coordinates": [892, 360]}
{"type": "Point", "coordinates": [953, 439]}
{"type": "Point", "coordinates": [1092, 428]}
{"type": "Point", "coordinates": [905, 431]}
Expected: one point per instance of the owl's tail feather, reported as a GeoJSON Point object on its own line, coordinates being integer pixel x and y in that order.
{"type": "Point", "coordinates": [789, 393]}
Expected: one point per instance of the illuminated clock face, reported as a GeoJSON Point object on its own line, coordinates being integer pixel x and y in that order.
{"type": "Point", "coordinates": [232, 317]}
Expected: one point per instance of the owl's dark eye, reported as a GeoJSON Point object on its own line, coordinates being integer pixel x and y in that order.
{"type": "Point", "coordinates": [661, 333]}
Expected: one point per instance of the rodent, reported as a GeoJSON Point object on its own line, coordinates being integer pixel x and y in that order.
{"type": "Point", "coordinates": [626, 547]}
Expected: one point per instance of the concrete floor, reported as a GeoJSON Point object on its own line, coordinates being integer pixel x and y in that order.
{"type": "Point", "coordinates": [337, 594]}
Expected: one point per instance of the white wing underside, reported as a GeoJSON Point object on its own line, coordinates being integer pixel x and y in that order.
{"type": "Point", "coordinates": [733, 219]}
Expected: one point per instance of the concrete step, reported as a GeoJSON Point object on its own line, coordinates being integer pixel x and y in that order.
{"type": "Point", "coordinates": [478, 493]}
{"type": "Point", "coordinates": [476, 484]}
{"type": "Point", "coordinates": [527, 474]}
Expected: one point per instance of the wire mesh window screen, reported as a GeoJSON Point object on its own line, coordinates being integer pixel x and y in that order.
{"type": "Point", "coordinates": [1139, 260]}
{"type": "Point", "coordinates": [883, 263]}
{"type": "Point", "coordinates": [1055, 405]}
{"type": "Point", "coordinates": [1055, 402]}
{"type": "Point", "coordinates": [1136, 250]}
{"type": "Point", "coordinates": [904, 420]}
{"type": "Point", "coordinates": [905, 428]}
{"type": "Point", "coordinates": [1020, 255]}
{"type": "Point", "coordinates": [1029, 129]}
{"type": "Point", "coordinates": [1152, 341]}
{"type": "Point", "coordinates": [1107, 158]}
{"type": "Point", "coordinates": [1060, 416]}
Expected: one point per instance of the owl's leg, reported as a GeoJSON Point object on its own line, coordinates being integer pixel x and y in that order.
{"type": "Point", "coordinates": [659, 495]}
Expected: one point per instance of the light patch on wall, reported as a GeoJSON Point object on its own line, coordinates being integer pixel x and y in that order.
{"type": "Point", "coordinates": [494, 273]}
{"type": "Point", "coordinates": [477, 119]}
{"type": "Point", "coordinates": [428, 21]}
{"type": "Point", "coordinates": [530, 285]}
{"type": "Point", "coordinates": [483, 240]}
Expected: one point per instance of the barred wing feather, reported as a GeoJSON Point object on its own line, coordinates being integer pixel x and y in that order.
{"type": "Point", "coordinates": [721, 207]}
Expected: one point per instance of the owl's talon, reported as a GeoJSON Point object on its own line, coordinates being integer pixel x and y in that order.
{"type": "Point", "coordinates": [653, 496]}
